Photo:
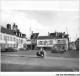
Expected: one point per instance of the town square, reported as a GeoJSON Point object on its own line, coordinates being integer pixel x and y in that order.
{"type": "Point", "coordinates": [39, 36]}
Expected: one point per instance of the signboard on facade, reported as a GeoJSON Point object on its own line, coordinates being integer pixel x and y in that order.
{"type": "Point", "coordinates": [50, 42]}
{"type": "Point", "coordinates": [28, 42]}
{"type": "Point", "coordinates": [34, 41]}
{"type": "Point", "coordinates": [61, 41]}
{"type": "Point", "coordinates": [46, 42]}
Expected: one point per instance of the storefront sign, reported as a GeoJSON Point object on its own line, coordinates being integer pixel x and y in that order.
{"type": "Point", "coordinates": [34, 41]}
{"type": "Point", "coordinates": [28, 42]}
{"type": "Point", "coordinates": [51, 42]}
{"type": "Point", "coordinates": [61, 41]}
{"type": "Point", "coordinates": [45, 42]}
{"type": "Point", "coordinates": [48, 42]}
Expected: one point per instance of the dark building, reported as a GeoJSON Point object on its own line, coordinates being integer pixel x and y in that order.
{"type": "Point", "coordinates": [77, 44]}
{"type": "Point", "coordinates": [33, 39]}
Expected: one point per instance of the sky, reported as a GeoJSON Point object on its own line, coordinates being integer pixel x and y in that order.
{"type": "Point", "coordinates": [42, 16]}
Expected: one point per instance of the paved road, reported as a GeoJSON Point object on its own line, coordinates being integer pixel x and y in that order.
{"type": "Point", "coordinates": [49, 62]}
{"type": "Point", "coordinates": [27, 61]}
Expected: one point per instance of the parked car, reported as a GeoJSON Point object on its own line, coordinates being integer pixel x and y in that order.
{"type": "Point", "coordinates": [56, 49]}
{"type": "Point", "coordinates": [61, 50]}
{"type": "Point", "coordinates": [3, 49]}
{"type": "Point", "coordinates": [10, 49]}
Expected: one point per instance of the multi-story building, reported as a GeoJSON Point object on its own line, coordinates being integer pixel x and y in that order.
{"type": "Point", "coordinates": [11, 37]}
{"type": "Point", "coordinates": [53, 39]}
{"type": "Point", "coordinates": [33, 39]}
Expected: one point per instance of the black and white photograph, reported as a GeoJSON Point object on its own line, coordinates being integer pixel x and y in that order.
{"type": "Point", "coordinates": [39, 36]}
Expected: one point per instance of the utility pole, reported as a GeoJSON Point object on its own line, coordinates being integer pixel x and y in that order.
{"type": "Point", "coordinates": [30, 36]}
{"type": "Point", "coordinates": [30, 31]}
{"type": "Point", "coordinates": [66, 30]}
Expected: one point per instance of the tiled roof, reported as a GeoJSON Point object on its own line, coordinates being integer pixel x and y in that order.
{"type": "Point", "coordinates": [7, 31]}
{"type": "Point", "coordinates": [53, 35]}
{"type": "Point", "coordinates": [44, 37]}
{"type": "Point", "coordinates": [59, 35]}
{"type": "Point", "coordinates": [11, 32]}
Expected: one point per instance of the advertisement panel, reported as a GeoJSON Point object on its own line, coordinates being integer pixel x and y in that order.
{"type": "Point", "coordinates": [50, 42]}
{"type": "Point", "coordinates": [46, 42]}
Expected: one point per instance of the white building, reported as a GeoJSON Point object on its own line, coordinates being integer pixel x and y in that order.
{"type": "Point", "coordinates": [11, 38]}
{"type": "Point", "coordinates": [50, 41]}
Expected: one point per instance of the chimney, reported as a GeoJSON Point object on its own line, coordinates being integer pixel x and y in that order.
{"type": "Point", "coordinates": [64, 33]}
{"type": "Point", "coordinates": [15, 27]}
{"type": "Point", "coordinates": [21, 34]}
{"type": "Point", "coordinates": [56, 33]}
{"type": "Point", "coordinates": [8, 26]}
{"type": "Point", "coordinates": [48, 34]}
{"type": "Point", "coordinates": [31, 32]}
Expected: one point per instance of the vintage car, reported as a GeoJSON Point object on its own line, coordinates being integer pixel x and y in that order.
{"type": "Point", "coordinates": [10, 49]}
{"type": "Point", "coordinates": [3, 49]}
{"type": "Point", "coordinates": [56, 49]}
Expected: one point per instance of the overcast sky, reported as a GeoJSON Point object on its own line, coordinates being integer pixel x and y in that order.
{"type": "Point", "coordinates": [44, 19]}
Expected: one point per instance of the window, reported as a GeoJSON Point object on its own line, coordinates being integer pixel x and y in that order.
{"type": "Point", "coordinates": [0, 44]}
{"type": "Point", "coordinates": [7, 45]}
{"type": "Point", "coordinates": [61, 42]}
{"type": "Point", "coordinates": [14, 39]}
{"type": "Point", "coordinates": [10, 38]}
{"type": "Point", "coordinates": [45, 42]}
{"type": "Point", "coordinates": [40, 43]}
{"type": "Point", "coordinates": [5, 38]}
{"type": "Point", "coordinates": [17, 40]}
{"type": "Point", "coordinates": [51, 42]}
{"type": "Point", "coordinates": [0, 37]}
{"type": "Point", "coordinates": [11, 45]}
{"type": "Point", "coordinates": [21, 41]}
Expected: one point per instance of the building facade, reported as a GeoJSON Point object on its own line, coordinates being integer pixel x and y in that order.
{"type": "Point", "coordinates": [62, 43]}
{"type": "Point", "coordinates": [11, 38]}
{"type": "Point", "coordinates": [33, 39]}
{"type": "Point", "coordinates": [53, 39]}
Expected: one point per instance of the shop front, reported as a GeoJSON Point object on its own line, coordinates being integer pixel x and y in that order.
{"type": "Point", "coordinates": [47, 44]}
